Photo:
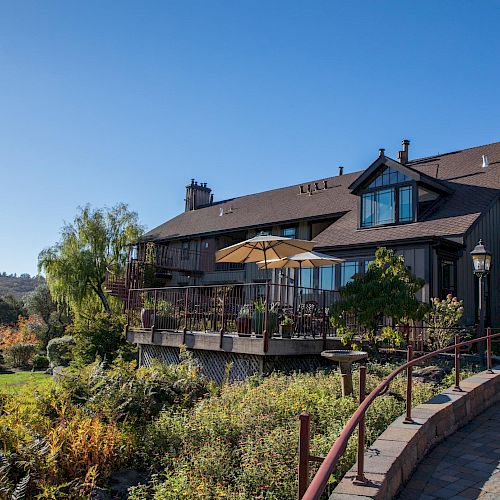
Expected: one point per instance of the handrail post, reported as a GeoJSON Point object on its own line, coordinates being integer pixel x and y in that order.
{"type": "Point", "coordinates": [221, 339]}
{"type": "Point", "coordinates": [153, 324]}
{"type": "Point", "coordinates": [457, 364]}
{"type": "Point", "coordinates": [409, 381]}
{"type": "Point", "coordinates": [304, 443]}
{"type": "Point", "coordinates": [266, 319]}
{"type": "Point", "coordinates": [323, 322]}
{"type": "Point", "coordinates": [488, 346]}
{"type": "Point", "coordinates": [184, 331]}
{"type": "Point", "coordinates": [360, 476]}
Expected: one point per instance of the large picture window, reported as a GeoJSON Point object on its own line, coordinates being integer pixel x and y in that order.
{"type": "Point", "coordinates": [385, 204]}
{"type": "Point", "coordinates": [347, 271]}
{"type": "Point", "coordinates": [378, 208]}
{"type": "Point", "coordinates": [327, 278]}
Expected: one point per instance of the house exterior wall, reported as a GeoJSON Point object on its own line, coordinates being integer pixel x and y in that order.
{"type": "Point", "coordinates": [423, 258]}
{"type": "Point", "coordinates": [488, 228]}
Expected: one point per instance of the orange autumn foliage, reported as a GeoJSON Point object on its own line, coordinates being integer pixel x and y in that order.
{"type": "Point", "coordinates": [23, 331]}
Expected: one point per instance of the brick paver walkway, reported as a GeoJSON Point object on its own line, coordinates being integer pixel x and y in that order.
{"type": "Point", "coordinates": [466, 465]}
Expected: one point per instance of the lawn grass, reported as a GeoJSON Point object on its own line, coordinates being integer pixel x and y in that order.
{"type": "Point", "coordinates": [10, 383]}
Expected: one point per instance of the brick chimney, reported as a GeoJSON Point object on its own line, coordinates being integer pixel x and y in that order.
{"type": "Point", "coordinates": [403, 155]}
{"type": "Point", "coordinates": [197, 195]}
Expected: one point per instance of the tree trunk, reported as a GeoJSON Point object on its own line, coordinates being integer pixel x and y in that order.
{"type": "Point", "coordinates": [104, 299]}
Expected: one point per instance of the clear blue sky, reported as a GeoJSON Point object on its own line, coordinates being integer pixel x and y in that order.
{"type": "Point", "coordinates": [107, 101]}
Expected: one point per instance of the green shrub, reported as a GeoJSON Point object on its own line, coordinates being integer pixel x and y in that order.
{"type": "Point", "coordinates": [121, 392]}
{"type": "Point", "coordinates": [241, 442]}
{"type": "Point", "coordinates": [102, 338]}
{"type": "Point", "coordinates": [60, 350]}
{"type": "Point", "coordinates": [40, 362]}
{"type": "Point", "coordinates": [19, 354]}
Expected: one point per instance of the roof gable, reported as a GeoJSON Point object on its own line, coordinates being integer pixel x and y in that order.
{"type": "Point", "coordinates": [407, 172]}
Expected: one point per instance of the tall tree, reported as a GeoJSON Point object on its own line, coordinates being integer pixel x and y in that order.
{"type": "Point", "coordinates": [96, 241]}
{"type": "Point", "coordinates": [40, 304]}
{"type": "Point", "coordinates": [10, 309]}
{"type": "Point", "coordinates": [387, 289]}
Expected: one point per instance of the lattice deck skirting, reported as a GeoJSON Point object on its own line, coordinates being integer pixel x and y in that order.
{"type": "Point", "coordinates": [213, 363]}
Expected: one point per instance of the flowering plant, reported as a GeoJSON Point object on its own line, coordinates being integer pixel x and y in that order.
{"type": "Point", "coordinates": [442, 319]}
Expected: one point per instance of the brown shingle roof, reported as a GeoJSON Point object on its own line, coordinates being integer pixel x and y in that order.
{"type": "Point", "coordinates": [261, 209]}
{"type": "Point", "coordinates": [474, 188]}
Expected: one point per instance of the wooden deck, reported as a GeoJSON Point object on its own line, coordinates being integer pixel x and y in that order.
{"type": "Point", "coordinates": [232, 343]}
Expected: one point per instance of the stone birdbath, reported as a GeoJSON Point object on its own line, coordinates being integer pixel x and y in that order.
{"type": "Point", "coordinates": [345, 359]}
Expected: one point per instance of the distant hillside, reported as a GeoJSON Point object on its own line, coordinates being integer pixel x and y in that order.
{"type": "Point", "coordinates": [10, 284]}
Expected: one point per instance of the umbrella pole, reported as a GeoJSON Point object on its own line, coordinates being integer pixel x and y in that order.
{"type": "Point", "coordinates": [266, 317]}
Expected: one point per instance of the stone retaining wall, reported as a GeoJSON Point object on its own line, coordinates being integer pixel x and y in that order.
{"type": "Point", "coordinates": [392, 458]}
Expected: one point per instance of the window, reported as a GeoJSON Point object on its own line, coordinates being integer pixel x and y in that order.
{"type": "Point", "coordinates": [386, 201]}
{"type": "Point", "coordinates": [327, 278]}
{"type": "Point", "coordinates": [405, 213]}
{"type": "Point", "coordinates": [378, 208]}
{"type": "Point", "coordinates": [367, 263]}
{"type": "Point", "coordinates": [387, 177]}
{"type": "Point", "coordinates": [347, 271]}
{"type": "Point", "coordinates": [289, 232]}
{"type": "Point", "coordinates": [306, 277]}
{"type": "Point", "coordinates": [447, 277]}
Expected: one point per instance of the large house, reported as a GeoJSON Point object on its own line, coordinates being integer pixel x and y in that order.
{"type": "Point", "coordinates": [431, 210]}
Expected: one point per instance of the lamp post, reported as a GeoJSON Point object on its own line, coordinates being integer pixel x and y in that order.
{"type": "Point", "coordinates": [481, 259]}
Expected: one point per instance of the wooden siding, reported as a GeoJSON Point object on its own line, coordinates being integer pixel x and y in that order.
{"type": "Point", "coordinates": [487, 228]}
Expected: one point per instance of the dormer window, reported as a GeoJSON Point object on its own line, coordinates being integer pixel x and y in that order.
{"type": "Point", "coordinates": [387, 177]}
{"type": "Point", "coordinates": [386, 201]}
{"type": "Point", "coordinates": [395, 193]}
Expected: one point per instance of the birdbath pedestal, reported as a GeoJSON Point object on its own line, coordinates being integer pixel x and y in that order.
{"type": "Point", "coordinates": [345, 359]}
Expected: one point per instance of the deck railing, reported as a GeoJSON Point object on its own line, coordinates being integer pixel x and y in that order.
{"type": "Point", "coordinates": [257, 309]}
{"type": "Point", "coordinates": [315, 489]}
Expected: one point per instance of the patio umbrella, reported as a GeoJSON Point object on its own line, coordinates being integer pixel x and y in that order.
{"type": "Point", "coordinates": [298, 261]}
{"type": "Point", "coordinates": [262, 247]}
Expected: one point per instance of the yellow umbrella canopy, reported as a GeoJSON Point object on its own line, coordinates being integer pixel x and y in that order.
{"type": "Point", "coordinates": [304, 259]}
{"type": "Point", "coordinates": [263, 247]}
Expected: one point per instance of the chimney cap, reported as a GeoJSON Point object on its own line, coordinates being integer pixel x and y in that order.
{"type": "Point", "coordinates": [405, 142]}
{"type": "Point", "coordinates": [381, 152]}
{"type": "Point", "coordinates": [341, 170]}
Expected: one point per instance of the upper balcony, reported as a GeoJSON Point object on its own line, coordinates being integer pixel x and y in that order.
{"type": "Point", "coordinates": [149, 263]}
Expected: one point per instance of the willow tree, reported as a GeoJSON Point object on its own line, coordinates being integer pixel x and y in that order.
{"type": "Point", "coordinates": [388, 289]}
{"type": "Point", "coordinates": [96, 241]}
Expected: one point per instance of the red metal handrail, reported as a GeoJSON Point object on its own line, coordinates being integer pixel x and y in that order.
{"type": "Point", "coordinates": [320, 480]}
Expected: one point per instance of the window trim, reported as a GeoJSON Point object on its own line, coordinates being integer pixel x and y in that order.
{"type": "Point", "coordinates": [396, 188]}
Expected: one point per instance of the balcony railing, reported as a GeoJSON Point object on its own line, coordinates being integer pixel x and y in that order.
{"type": "Point", "coordinates": [257, 309]}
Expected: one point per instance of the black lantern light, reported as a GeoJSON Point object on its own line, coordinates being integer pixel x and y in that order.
{"type": "Point", "coordinates": [481, 259]}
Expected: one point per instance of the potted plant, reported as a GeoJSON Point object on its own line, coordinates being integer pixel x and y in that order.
{"type": "Point", "coordinates": [244, 321]}
{"type": "Point", "coordinates": [286, 327]}
{"type": "Point", "coordinates": [165, 316]}
{"type": "Point", "coordinates": [147, 312]}
{"type": "Point", "coordinates": [259, 318]}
